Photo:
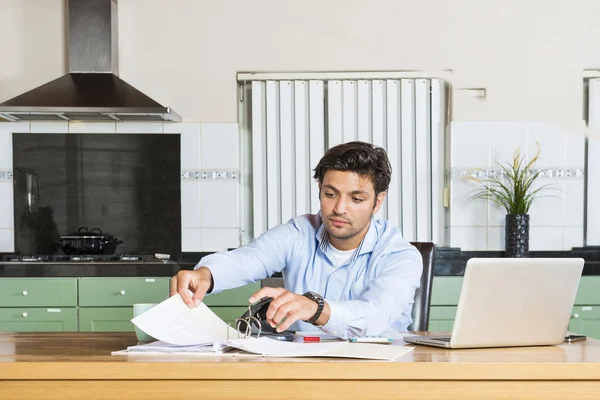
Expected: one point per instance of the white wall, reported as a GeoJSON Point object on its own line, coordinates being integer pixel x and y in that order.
{"type": "Point", "coordinates": [528, 54]}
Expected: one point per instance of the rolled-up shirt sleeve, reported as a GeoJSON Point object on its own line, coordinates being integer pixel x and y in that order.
{"type": "Point", "coordinates": [383, 302]}
{"type": "Point", "coordinates": [260, 259]}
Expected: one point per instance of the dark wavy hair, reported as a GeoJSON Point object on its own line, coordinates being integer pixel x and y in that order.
{"type": "Point", "coordinates": [365, 159]}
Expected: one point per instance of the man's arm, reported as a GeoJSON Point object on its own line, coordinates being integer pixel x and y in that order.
{"type": "Point", "coordinates": [384, 301]}
{"type": "Point", "coordinates": [219, 271]}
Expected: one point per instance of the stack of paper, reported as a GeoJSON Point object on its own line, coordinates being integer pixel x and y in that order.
{"type": "Point", "coordinates": [181, 330]}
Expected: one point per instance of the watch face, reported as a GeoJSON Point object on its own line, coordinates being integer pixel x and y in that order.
{"type": "Point", "coordinates": [313, 296]}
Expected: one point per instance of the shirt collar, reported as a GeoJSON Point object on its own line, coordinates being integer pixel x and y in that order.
{"type": "Point", "coordinates": [366, 245]}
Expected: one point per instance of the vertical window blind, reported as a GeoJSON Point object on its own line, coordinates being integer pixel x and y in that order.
{"type": "Point", "coordinates": [293, 122]}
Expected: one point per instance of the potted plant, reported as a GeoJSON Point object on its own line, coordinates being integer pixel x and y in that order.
{"type": "Point", "coordinates": [512, 188]}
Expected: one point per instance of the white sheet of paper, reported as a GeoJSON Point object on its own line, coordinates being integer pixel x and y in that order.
{"type": "Point", "coordinates": [173, 322]}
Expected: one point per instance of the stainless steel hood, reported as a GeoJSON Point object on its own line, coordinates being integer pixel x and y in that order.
{"type": "Point", "coordinates": [92, 91]}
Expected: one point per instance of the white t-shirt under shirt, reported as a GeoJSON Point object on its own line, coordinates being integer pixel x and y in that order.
{"type": "Point", "coordinates": [341, 256]}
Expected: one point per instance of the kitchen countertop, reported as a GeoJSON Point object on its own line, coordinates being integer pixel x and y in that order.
{"type": "Point", "coordinates": [449, 261]}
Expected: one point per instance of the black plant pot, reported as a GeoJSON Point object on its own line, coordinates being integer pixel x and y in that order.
{"type": "Point", "coordinates": [517, 235]}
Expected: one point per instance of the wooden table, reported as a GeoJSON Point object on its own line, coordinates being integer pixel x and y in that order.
{"type": "Point", "coordinates": [79, 366]}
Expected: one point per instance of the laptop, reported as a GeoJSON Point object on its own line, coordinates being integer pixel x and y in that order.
{"type": "Point", "coordinates": [507, 302]}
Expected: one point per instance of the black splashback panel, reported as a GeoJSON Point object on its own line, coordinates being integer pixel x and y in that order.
{"type": "Point", "coordinates": [128, 185]}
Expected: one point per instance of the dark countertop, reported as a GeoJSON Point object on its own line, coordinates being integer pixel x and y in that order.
{"type": "Point", "coordinates": [449, 261]}
{"type": "Point", "coordinates": [39, 270]}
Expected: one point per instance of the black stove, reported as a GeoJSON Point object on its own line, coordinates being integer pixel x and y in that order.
{"type": "Point", "coordinates": [86, 258]}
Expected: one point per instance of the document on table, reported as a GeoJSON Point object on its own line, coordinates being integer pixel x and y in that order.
{"type": "Point", "coordinates": [173, 322]}
{"type": "Point", "coordinates": [200, 331]}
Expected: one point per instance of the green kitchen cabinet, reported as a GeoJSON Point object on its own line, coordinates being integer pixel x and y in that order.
{"type": "Point", "coordinates": [232, 303]}
{"type": "Point", "coordinates": [38, 304]}
{"type": "Point", "coordinates": [441, 318]}
{"type": "Point", "coordinates": [106, 304]}
{"type": "Point", "coordinates": [232, 297]}
{"type": "Point", "coordinates": [444, 298]}
{"type": "Point", "coordinates": [122, 292]}
{"type": "Point", "coordinates": [229, 314]}
{"type": "Point", "coordinates": [106, 319]}
{"type": "Point", "coordinates": [585, 318]}
{"type": "Point", "coordinates": [38, 319]}
{"type": "Point", "coordinates": [38, 292]}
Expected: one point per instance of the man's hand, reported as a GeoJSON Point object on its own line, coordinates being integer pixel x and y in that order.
{"type": "Point", "coordinates": [287, 307]}
{"type": "Point", "coordinates": [198, 282]}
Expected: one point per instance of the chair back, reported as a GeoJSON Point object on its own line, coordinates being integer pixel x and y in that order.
{"type": "Point", "coordinates": [422, 303]}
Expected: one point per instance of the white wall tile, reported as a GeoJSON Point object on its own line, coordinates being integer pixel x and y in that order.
{"type": "Point", "coordinates": [190, 204]}
{"type": "Point", "coordinates": [552, 140]}
{"type": "Point", "coordinates": [219, 239]}
{"type": "Point", "coordinates": [7, 241]}
{"type": "Point", "coordinates": [496, 215]}
{"type": "Point", "coordinates": [6, 131]}
{"type": "Point", "coordinates": [139, 127]}
{"type": "Point", "coordinates": [575, 152]}
{"type": "Point", "coordinates": [463, 210]}
{"type": "Point", "coordinates": [220, 204]}
{"type": "Point", "coordinates": [545, 238]}
{"type": "Point", "coordinates": [15, 127]}
{"type": "Point", "coordinates": [6, 205]}
{"type": "Point", "coordinates": [49, 127]}
{"type": "Point", "coordinates": [191, 239]}
{"type": "Point", "coordinates": [469, 238]}
{"type": "Point", "coordinates": [573, 237]}
{"type": "Point", "coordinates": [220, 146]}
{"type": "Point", "coordinates": [92, 127]}
{"type": "Point", "coordinates": [470, 144]}
{"type": "Point", "coordinates": [496, 238]}
{"type": "Point", "coordinates": [6, 154]}
{"type": "Point", "coordinates": [190, 143]}
{"type": "Point", "coordinates": [548, 208]}
{"type": "Point", "coordinates": [505, 138]}
{"type": "Point", "coordinates": [574, 202]}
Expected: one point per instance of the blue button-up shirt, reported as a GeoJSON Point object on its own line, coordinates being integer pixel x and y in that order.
{"type": "Point", "coordinates": [372, 294]}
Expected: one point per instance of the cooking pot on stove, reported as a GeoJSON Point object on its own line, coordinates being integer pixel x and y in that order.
{"type": "Point", "coordinates": [88, 241]}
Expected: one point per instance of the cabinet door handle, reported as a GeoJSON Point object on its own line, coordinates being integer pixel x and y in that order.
{"type": "Point", "coordinates": [24, 292]}
{"type": "Point", "coordinates": [575, 316]}
{"type": "Point", "coordinates": [24, 315]}
{"type": "Point", "coordinates": [122, 293]}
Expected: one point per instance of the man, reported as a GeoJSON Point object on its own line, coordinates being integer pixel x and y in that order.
{"type": "Point", "coordinates": [343, 271]}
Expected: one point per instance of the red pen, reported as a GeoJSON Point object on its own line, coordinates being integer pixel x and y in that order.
{"type": "Point", "coordinates": [312, 339]}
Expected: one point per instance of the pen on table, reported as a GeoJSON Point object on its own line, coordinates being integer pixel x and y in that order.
{"type": "Point", "coordinates": [382, 340]}
{"type": "Point", "coordinates": [312, 339]}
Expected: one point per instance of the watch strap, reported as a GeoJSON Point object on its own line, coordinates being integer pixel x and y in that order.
{"type": "Point", "coordinates": [320, 305]}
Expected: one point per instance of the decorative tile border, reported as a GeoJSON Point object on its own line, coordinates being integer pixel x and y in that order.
{"type": "Point", "coordinates": [209, 175]}
{"type": "Point", "coordinates": [477, 173]}
{"type": "Point", "coordinates": [6, 175]}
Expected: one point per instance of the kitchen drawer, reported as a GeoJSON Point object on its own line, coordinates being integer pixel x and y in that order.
{"type": "Point", "coordinates": [229, 314]}
{"type": "Point", "coordinates": [233, 297]}
{"type": "Point", "coordinates": [115, 292]}
{"type": "Point", "coordinates": [42, 292]}
{"type": "Point", "coordinates": [588, 292]}
{"type": "Point", "coordinates": [106, 319]}
{"type": "Point", "coordinates": [38, 319]}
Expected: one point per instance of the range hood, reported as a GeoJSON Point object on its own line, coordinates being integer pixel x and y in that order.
{"type": "Point", "coordinates": [92, 91]}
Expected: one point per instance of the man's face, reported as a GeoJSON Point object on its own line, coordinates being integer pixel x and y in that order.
{"type": "Point", "coordinates": [347, 204]}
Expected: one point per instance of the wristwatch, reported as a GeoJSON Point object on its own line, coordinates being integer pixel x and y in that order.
{"type": "Point", "coordinates": [317, 298]}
